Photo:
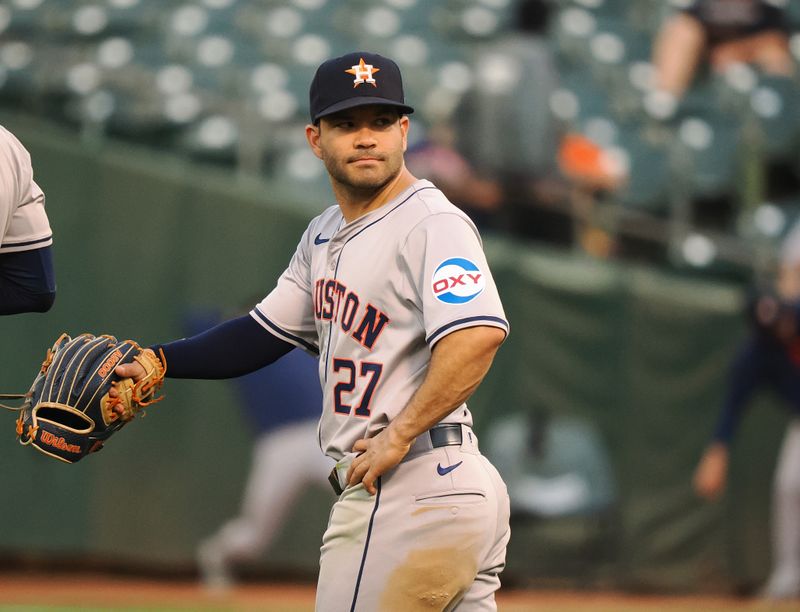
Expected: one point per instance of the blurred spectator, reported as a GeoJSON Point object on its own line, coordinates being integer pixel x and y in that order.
{"type": "Point", "coordinates": [770, 356]}
{"type": "Point", "coordinates": [505, 129]}
{"type": "Point", "coordinates": [27, 278]}
{"type": "Point", "coordinates": [723, 31]}
{"type": "Point", "coordinates": [587, 164]}
{"type": "Point", "coordinates": [437, 160]}
{"type": "Point", "coordinates": [282, 403]}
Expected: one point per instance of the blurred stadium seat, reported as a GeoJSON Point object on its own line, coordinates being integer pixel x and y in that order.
{"type": "Point", "coordinates": [648, 170]}
{"type": "Point", "coordinates": [130, 50]}
{"type": "Point", "coordinates": [793, 12]}
{"type": "Point", "coordinates": [775, 104]}
{"type": "Point", "coordinates": [770, 222]}
{"type": "Point", "coordinates": [225, 80]}
{"type": "Point", "coordinates": [705, 155]}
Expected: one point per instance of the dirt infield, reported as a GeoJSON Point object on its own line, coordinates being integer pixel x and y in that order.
{"type": "Point", "coordinates": [29, 593]}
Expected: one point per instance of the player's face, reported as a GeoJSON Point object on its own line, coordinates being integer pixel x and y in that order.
{"type": "Point", "coordinates": [362, 148]}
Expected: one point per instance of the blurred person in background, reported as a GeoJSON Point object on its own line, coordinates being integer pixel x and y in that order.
{"type": "Point", "coordinates": [770, 356]}
{"type": "Point", "coordinates": [282, 405]}
{"type": "Point", "coordinates": [506, 131]}
{"type": "Point", "coordinates": [27, 278]}
{"type": "Point", "coordinates": [724, 32]}
{"type": "Point", "coordinates": [436, 159]}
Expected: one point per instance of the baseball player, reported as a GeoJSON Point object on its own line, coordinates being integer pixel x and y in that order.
{"type": "Point", "coordinates": [391, 289]}
{"type": "Point", "coordinates": [770, 356]}
{"type": "Point", "coordinates": [27, 279]}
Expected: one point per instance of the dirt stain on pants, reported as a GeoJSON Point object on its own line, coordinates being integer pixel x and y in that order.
{"type": "Point", "coordinates": [430, 580]}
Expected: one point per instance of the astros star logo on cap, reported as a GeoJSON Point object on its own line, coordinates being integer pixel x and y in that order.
{"type": "Point", "coordinates": [364, 73]}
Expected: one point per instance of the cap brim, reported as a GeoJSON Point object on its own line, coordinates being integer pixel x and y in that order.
{"type": "Point", "coordinates": [361, 101]}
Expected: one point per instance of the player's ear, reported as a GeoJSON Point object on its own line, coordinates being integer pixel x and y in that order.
{"type": "Point", "coordinates": [404, 123]}
{"type": "Point", "coordinates": [313, 135]}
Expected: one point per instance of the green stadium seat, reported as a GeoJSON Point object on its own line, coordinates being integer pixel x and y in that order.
{"type": "Point", "coordinates": [604, 8]}
{"type": "Point", "coordinates": [416, 14]}
{"type": "Point", "coordinates": [19, 63]}
{"type": "Point", "coordinates": [701, 99]}
{"type": "Point", "coordinates": [770, 222]}
{"type": "Point", "coordinates": [734, 88]}
{"type": "Point", "coordinates": [794, 46]}
{"type": "Point", "coordinates": [705, 156]}
{"type": "Point", "coordinates": [468, 21]}
{"type": "Point", "coordinates": [295, 166]}
{"type": "Point", "coordinates": [646, 16]}
{"type": "Point", "coordinates": [579, 97]}
{"type": "Point", "coordinates": [33, 18]}
{"type": "Point", "coordinates": [775, 104]}
{"type": "Point", "coordinates": [214, 138]}
{"type": "Point", "coordinates": [793, 14]}
{"type": "Point", "coordinates": [271, 30]}
{"type": "Point", "coordinates": [572, 32]}
{"type": "Point", "coordinates": [648, 184]}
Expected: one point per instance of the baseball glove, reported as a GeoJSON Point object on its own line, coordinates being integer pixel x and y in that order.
{"type": "Point", "coordinates": [68, 413]}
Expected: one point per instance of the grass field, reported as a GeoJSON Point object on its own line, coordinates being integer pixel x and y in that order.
{"type": "Point", "coordinates": [46, 593]}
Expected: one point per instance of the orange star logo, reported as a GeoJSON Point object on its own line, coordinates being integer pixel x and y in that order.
{"type": "Point", "coordinates": [364, 73]}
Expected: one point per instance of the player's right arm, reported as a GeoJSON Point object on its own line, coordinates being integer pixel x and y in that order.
{"type": "Point", "coordinates": [230, 349]}
{"type": "Point", "coordinates": [282, 321]}
{"type": "Point", "coordinates": [458, 365]}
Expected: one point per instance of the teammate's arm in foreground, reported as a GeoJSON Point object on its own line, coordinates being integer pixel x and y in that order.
{"type": "Point", "coordinates": [27, 281]}
{"type": "Point", "coordinates": [27, 278]}
{"type": "Point", "coordinates": [459, 362]}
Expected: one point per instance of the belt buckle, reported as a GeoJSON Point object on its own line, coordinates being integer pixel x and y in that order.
{"type": "Point", "coordinates": [333, 478]}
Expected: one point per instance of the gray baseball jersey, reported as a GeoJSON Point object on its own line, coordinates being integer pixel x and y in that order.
{"type": "Point", "coordinates": [372, 297]}
{"type": "Point", "coordinates": [23, 221]}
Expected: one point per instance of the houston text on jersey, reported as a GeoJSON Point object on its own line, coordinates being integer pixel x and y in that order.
{"type": "Point", "coordinates": [333, 302]}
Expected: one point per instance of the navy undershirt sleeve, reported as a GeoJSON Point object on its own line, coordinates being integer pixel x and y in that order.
{"type": "Point", "coordinates": [749, 370]}
{"type": "Point", "coordinates": [27, 281]}
{"type": "Point", "coordinates": [233, 348]}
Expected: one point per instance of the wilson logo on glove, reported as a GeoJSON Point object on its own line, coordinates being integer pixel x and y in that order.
{"type": "Point", "coordinates": [59, 443]}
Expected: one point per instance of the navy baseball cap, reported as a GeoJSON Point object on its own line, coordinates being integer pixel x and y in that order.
{"type": "Point", "coordinates": [356, 79]}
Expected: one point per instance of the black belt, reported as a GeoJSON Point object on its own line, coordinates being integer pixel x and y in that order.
{"type": "Point", "coordinates": [447, 434]}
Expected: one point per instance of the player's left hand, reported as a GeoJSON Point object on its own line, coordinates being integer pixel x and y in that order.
{"type": "Point", "coordinates": [135, 371]}
{"type": "Point", "coordinates": [379, 454]}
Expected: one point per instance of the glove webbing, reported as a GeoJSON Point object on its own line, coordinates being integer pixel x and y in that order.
{"type": "Point", "coordinates": [48, 359]}
{"type": "Point", "coordinates": [13, 396]}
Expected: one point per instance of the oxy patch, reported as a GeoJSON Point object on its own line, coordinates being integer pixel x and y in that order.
{"type": "Point", "coordinates": [457, 281]}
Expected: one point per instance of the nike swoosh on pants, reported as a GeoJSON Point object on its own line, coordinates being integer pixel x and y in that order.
{"type": "Point", "coordinates": [446, 470]}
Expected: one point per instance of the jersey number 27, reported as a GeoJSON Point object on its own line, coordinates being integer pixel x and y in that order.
{"type": "Point", "coordinates": [344, 389]}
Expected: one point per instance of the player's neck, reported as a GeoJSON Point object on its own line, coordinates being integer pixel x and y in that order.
{"type": "Point", "coordinates": [356, 203]}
